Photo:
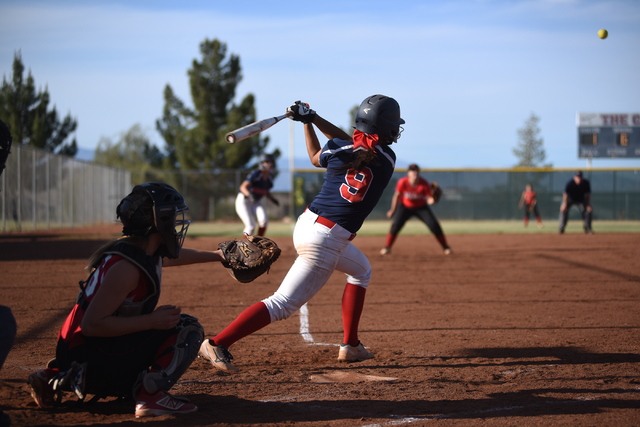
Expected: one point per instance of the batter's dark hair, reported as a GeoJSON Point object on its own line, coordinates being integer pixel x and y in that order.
{"type": "Point", "coordinates": [362, 159]}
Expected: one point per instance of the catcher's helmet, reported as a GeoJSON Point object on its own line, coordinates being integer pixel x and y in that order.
{"type": "Point", "coordinates": [155, 207]}
{"type": "Point", "coordinates": [379, 114]}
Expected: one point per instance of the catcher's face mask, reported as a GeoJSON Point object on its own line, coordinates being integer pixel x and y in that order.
{"type": "Point", "coordinates": [172, 225]}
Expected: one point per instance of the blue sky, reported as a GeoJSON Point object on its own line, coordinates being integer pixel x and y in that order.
{"type": "Point", "coordinates": [467, 73]}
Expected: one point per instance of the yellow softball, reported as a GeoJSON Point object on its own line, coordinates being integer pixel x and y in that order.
{"type": "Point", "coordinates": [603, 34]}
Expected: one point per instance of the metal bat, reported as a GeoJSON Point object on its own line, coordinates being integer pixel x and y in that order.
{"type": "Point", "coordinates": [253, 128]}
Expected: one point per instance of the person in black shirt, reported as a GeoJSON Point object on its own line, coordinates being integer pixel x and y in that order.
{"type": "Point", "coordinates": [578, 192]}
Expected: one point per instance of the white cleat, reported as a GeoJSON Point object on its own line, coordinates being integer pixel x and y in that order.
{"type": "Point", "coordinates": [353, 354]}
{"type": "Point", "coordinates": [218, 355]}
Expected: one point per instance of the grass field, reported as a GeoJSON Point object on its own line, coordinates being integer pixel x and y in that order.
{"type": "Point", "coordinates": [415, 227]}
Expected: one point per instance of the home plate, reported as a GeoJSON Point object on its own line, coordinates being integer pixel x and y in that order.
{"type": "Point", "coordinates": [347, 377]}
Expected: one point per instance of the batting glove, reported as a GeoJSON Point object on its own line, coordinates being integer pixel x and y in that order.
{"type": "Point", "coordinates": [300, 112]}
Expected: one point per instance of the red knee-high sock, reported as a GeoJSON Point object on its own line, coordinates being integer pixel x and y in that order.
{"type": "Point", "coordinates": [352, 304]}
{"type": "Point", "coordinates": [390, 239]}
{"type": "Point", "coordinates": [250, 320]}
{"type": "Point", "coordinates": [443, 241]}
{"type": "Point", "coordinates": [261, 231]}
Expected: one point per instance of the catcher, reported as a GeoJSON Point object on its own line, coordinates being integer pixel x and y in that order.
{"type": "Point", "coordinates": [99, 349]}
{"type": "Point", "coordinates": [413, 196]}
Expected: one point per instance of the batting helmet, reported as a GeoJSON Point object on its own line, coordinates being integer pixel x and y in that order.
{"type": "Point", "coordinates": [155, 207]}
{"type": "Point", "coordinates": [267, 158]}
{"type": "Point", "coordinates": [379, 114]}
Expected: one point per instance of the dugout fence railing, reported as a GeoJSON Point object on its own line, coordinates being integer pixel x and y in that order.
{"type": "Point", "coordinates": [40, 190]}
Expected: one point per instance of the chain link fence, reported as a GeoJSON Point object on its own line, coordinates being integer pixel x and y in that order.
{"type": "Point", "coordinates": [44, 190]}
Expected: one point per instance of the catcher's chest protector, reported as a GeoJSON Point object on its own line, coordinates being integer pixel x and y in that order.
{"type": "Point", "coordinates": [149, 265]}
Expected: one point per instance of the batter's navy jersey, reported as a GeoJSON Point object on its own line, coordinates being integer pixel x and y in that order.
{"type": "Point", "coordinates": [259, 185]}
{"type": "Point", "coordinates": [347, 197]}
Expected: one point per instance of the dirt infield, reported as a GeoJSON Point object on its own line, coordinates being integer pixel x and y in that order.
{"type": "Point", "coordinates": [509, 330]}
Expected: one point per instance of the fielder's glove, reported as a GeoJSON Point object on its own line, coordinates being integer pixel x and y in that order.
{"type": "Point", "coordinates": [300, 112]}
{"type": "Point", "coordinates": [5, 144]}
{"type": "Point", "coordinates": [436, 192]}
{"type": "Point", "coordinates": [249, 258]}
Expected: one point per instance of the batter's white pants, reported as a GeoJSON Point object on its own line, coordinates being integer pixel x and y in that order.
{"type": "Point", "coordinates": [321, 250]}
{"type": "Point", "coordinates": [251, 213]}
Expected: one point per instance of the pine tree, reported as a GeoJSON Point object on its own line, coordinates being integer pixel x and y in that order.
{"type": "Point", "coordinates": [195, 138]}
{"type": "Point", "coordinates": [530, 151]}
{"type": "Point", "coordinates": [27, 113]}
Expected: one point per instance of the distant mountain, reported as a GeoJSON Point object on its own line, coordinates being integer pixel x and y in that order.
{"type": "Point", "coordinates": [85, 154]}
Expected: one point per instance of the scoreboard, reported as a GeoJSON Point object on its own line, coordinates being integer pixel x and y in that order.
{"type": "Point", "coordinates": [608, 135]}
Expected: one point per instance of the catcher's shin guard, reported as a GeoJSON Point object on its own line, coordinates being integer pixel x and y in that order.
{"type": "Point", "coordinates": [188, 341]}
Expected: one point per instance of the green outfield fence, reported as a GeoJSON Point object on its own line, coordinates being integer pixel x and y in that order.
{"type": "Point", "coordinates": [42, 190]}
{"type": "Point", "coordinates": [468, 194]}
{"type": "Point", "coordinates": [492, 194]}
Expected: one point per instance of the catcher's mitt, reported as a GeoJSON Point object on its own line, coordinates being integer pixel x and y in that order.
{"type": "Point", "coordinates": [249, 258]}
{"type": "Point", "coordinates": [5, 144]}
{"type": "Point", "coordinates": [436, 192]}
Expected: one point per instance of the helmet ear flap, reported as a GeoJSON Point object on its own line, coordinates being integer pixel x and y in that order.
{"type": "Point", "coordinates": [136, 213]}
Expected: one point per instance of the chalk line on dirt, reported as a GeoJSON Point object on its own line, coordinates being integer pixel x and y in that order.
{"type": "Point", "coordinates": [304, 327]}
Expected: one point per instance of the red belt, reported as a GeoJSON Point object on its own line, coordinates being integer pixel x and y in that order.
{"type": "Point", "coordinates": [330, 224]}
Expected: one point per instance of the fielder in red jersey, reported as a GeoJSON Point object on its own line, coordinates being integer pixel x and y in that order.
{"type": "Point", "coordinates": [413, 197]}
{"type": "Point", "coordinates": [530, 203]}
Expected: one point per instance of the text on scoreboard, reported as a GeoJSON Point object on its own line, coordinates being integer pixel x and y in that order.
{"type": "Point", "coordinates": [608, 135]}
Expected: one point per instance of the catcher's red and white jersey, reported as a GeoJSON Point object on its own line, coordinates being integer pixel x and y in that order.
{"type": "Point", "coordinates": [71, 331]}
{"type": "Point", "coordinates": [413, 196]}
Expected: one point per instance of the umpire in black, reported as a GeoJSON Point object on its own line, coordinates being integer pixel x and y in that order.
{"type": "Point", "coordinates": [578, 192]}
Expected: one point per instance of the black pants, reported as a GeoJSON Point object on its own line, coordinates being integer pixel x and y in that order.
{"type": "Point", "coordinates": [114, 363]}
{"type": "Point", "coordinates": [528, 209]}
{"type": "Point", "coordinates": [586, 215]}
{"type": "Point", "coordinates": [402, 215]}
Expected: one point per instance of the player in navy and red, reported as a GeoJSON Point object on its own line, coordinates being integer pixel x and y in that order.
{"type": "Point", "coordinates": [250, 200]}
{"type": "Point", "coordinates": [530, 202]}
{"type": "Point", "coordinates": [358, 171]}
{"type": "Point", "coordinates": [412, 198]}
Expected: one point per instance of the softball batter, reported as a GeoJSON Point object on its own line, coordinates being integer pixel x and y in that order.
{"type": "Point", "coordinates": [115, 341]}
{"type": "Point", "coordinates": [253, 190]}
{"type": "Point", "coordinates": [413, 197]}
{"type": "Point", "coordinates": [358, 170]}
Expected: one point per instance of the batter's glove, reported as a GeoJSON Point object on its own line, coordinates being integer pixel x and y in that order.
{"type": "Point", "coordinates": [5, 144]}
{"type": "Point", "coordinates": [247, 259]}
{"type": "Point", "coordinates": [300, 112]}
{"type": "Point", "coordinates": [436, 192]}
